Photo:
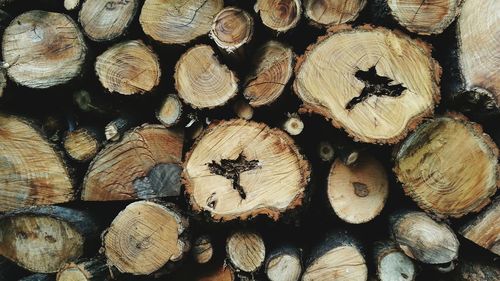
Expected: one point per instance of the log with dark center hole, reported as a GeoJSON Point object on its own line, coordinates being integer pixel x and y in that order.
{"type": "Point", "coordinates": [231, 169]}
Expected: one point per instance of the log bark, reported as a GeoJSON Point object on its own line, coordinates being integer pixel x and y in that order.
{"type": "Point", "coordinates": [202, 249]}
{"type": "Point", "coordinates": [332, 12]}
{"type": "Point", "coordinates": [94, 269]}
{"type": "Point", "coordinates": [42, 239]}
{"type": "Point", "coordinates": [338, 255]}
{"type": "Point", "coordinates": [422, 238]}
{"type": "Point", "coordinates": [199, 88]}
{"type": "Point", "coordinates": [171, 22]}
{"type": "Point", "coordinates": [232, 28]}
{"type": "Point", "coordinates": [280, 16]}
{"type": "Point", "coordinates": [240, 169]}
{"type": "Point", "coordinates": [385, 91]}
{"type": "Point", "coordinates": [448, 166]}
{"type": "Point", "coordinates": [128, 68]}
{"type": "Point", "coordinates": [358, 193]}
{"type": "Point", "coordinates": [170, 112]}
{"type": "Point", "coordinates": [144, 164]}
{"type": "Point", "coordinates": [284, 264]}
{"type": "Point", "coordinates": [106, 20]}
{"type": "Point", "coordinates": [82, 144]}
{"type": "Point", "coordinates": [39, 55]}
{"type": "Point", "coordinates": [484, 228]}
{"type": "Point", "coordinates": [391, 263]}
{"type": "Point", "coordinates": [145, 236]}
{"type": "Point", "coordinates": [246, 251]}
{"type": "Point", "coordinates": [271, 70]}
{"type": "Point", "coordinates": [32, 172]}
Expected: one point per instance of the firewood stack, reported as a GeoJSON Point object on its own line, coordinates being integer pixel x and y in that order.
{"type": "Point", "coordinates": [281, 140]}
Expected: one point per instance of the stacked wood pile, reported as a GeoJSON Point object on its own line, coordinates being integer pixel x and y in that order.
{"type": "Point", "coordinates": [281, 140]}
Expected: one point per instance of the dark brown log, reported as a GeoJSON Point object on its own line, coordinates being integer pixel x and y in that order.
{"type": "Point", "coordinates": [332, 12]}
{"type": "Point", "coordinates": [39, 55]}
{"type": "Point", "coordinates": [170, 112]}
{"type": "Point", "coordinates": [246, 251]}
{"type": "Point", "coordinates": [391, 263]}
{"type": "Point", "coordinates": [232, 28]}
{"type": "Point", "coordinates": [144, 164]}
{"type": "Point", "coordinates": [281, 15]}
{"type": "Point", "coordinates": [202, 249]}
{"type": "Point", "coordinates": [42, 239]}
{"type": "Point", "coordinates": [94, 269]}
{"type": "Point", "coordinates": [82, 144]}
{"type": "Point", "coordinates": [284, 264]}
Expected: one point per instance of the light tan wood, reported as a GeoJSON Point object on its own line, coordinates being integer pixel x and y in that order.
{"type": "Point", "coordinates": [43, 49]}
{"type": "Point", "coordinates": [344, 262]}
{"type": "Point", "coordinates": [202, 81]}
{"type": "Point", "coordinates": [232, 28]}
{"type": "Point", "coordinates": [128, 68]}
{"type": "Point", "coordinates": [106, 20]}
{"type": "Point", "coordinates": [81, 144]}
{"type": "Point", "coordinates": [246, 250]}
{"type": "Point", "coordinates": [31, 171]}
{"type": "Point", "coordinates": [272, 69]}
{"type": "Point", "coordinates": [202, 249]}
{"type": "Point", "coordinates": [441, 180]}
{"type": "Point", "coordinates": [272, 178]}
{"type": "Point", "coordinates": [178, 21]}
{"type": "Point", "coordinates": [144, 237]}
{"type": "Point", "coordinates": [170, 112]}
{"type": "Point", "coordinates": [114, 172]}
{"type": "Point", "coordinates": [281, 15]}
{"type": "Point", "coordinates": [425, 17]}
{"type": "Point", "coordinates": [478, 32]}
{"type": "Point", "coordinates": [331, 12]}
{"type": "Point", "coordinates": [331, 80]}
{"type": "Point", "coordinates": [358, 193]}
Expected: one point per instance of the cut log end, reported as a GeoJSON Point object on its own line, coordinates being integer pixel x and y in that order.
{"type": "Point", "coordinates": [81, 144]}
{"type": "Point", "coordinates": [232, 28]}
{"type": "Point", "coordinates": [202, 249]}
{"type": "Point", "coordinates": [284, 264]}
{"type": "Point", "coordinates": [280, 15]}
{"type": "Point", "coordinates": [170, 112]}
{"type": "Point", "coordinates": [128, 68]}
{"type": "Point", "coordinates": [331, 12]}
{"type": "Point", "coordinates": [246, 251]}
{"type": "Point", "coordinates": [392, 264]}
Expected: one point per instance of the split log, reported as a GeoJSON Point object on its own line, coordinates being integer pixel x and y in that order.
{"type": "Point", "coordinates": [339, 256]}
{"type": "Point", "coordinates": [448, 166]}
{"type": "Point", "coordinates": [172, 22]}
{"type": "Point", "coordinates": [201, 88]}
{"type": "Point", "coordinates": [476, 271]}
{"type": "Point", "coordinates": [281, 15]}
{"type": "Point", "coordinates": [284, 264]}
{"type": "Point", "coordinates": [222, 273]}
{"type": "Point", "coordinates": [326, 151]}
{"type": "Point", "coordinates": [42, 239]}
{"type": "Point", "coordinates": [38, 53]}
{"type": "Point", "coordinates": [246, 251]}
{"type": "Point", "coordinates": [332, 12]}
{"type": "Point", "coordinates": [145, 236]}
{"type": "Point", "coordinates": [106, 20]}
{"type": "Point", "coordinates": [31, 171]}
{"type": "Point", "coordinates": [128, 68]}
{"type": "Point", "coordinates": [202, 249]}
{"type": "Point", "coordinates": [144, 164]}
{"type": "Point", "coordinates": [391, 263]}
{"type": "Point", "coordinates": [71, 5]}
{"type": "Point", "coordinates": [422, 238]}
{"type": "Point", "coordinates": [424, 17]}
{"type": "Point", "coordinates": [232, 28]}
{"type": "Point", "coordinates": [170, 112]}
{"type": "Point", "coordinates": [293, 124]}
{"type": "Point", "coordinates": [87, 270]}
{"type": "Point", "coordinates": [484, 229]}
{"type": "Point", "coordinates": [82, 144]}
{"type": "Point", "coordinates": [243, 110]}
{"type": "Point", "coordinates": [114, 130]}
{"type": "Point", "coordinates": [384, 91]}
{"type": "Point", "coordinates": [38, 277]}
{"type": "Point", "coordinates": [240, 169]}
{"type": "Point", "coordinates": [357, 194]}
{"type": "Point", "coordinates": [272, 69]}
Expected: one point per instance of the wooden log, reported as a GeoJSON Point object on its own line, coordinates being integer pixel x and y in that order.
{"type": "Point", "coordinates": [271, 70]}
{"type": "Point", "coordinates": [246, 251]}
{"type": "Point", "coordinates": [422, 238]}
{"type": "Point", "coordinates": [332, 12]}
{"type": "Point", "coordinates": [338, 256]}
{"type": "Point", "coordinates": [145, 236]}
{"type": "Point", "coordinates": [144, 164]}
{"type": "Point", "coordinates": [232, 28]}
{"type": "Point", "coordinates": [391, 263]}
{"type": "Point", "coordinates": [31, 171]}
{"type": "Point", "coordinates": [71, 5]}
{"type": "Point", "coordinates": [484, 228]}
{"type": "Point", "coordinates": [43, 49]}
{"type": "Point", "coordinates": [94, 269]}
{"type": "Point", "coordinates": [171, 22]}
{"type": "Point", "coordinates": [357, 194]}
{"type": "Point", "coordinates": [82, 144]}
{"type": "Point", "coordinates": [201, 88]}
{"type": "Point", "coordinates": [43, 238]}
{"type": "Point", "coordinates": [202, 249]}
{"type": "Point", "coordinates": [424, 18]}
{"type": "Point", "coordinates": [170, 112]}
{"type": "Point", "coordinates": [243, 110]}
{"type": "Point", "coordinates": [293, 124]}
{"type": "Point", "coordinates": [38, 277]}
{"type": "Point", "coordinates": [240, 169]}
{"type": "Point", "coordinates": [442, 181]}
{"type": "Point", "coordinates": [280, 16]}
{"type": "Point", "coordinates": [106, 20]}
{"type": "Point", "coordinates": [385, 91]}
{"type": "Point", "coordinates": [128, 68]}
{"type": "Point", "coordinates": [284, 264]}
{"type": "Point", "coordinates": [476, 270]}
